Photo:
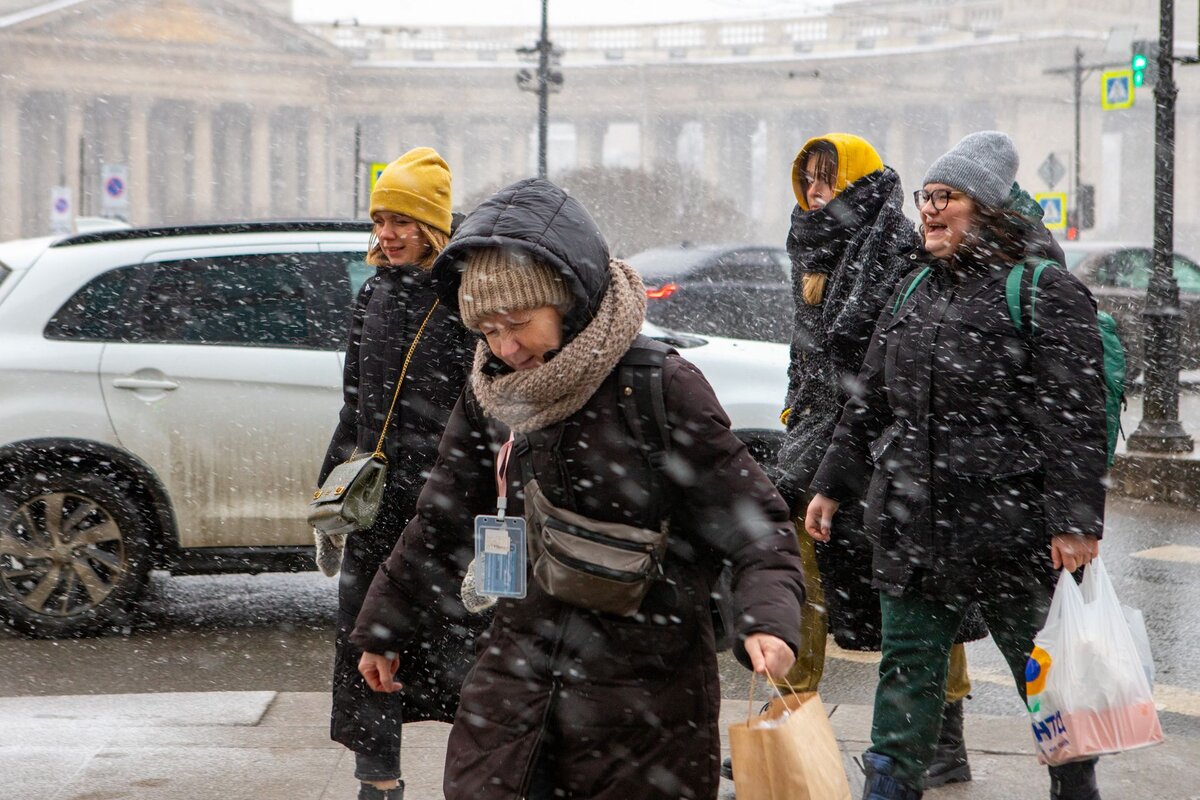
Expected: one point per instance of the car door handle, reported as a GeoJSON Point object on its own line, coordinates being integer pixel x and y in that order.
{"type": "Point", "coordinates": [145, 383]}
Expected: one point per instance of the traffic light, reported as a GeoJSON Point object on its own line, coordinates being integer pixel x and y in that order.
{"type": "Point", "coordinates": [1144, 63]}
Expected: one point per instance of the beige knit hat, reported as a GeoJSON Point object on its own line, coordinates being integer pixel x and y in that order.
{"type": "Point", "coordinates": [498, 280]}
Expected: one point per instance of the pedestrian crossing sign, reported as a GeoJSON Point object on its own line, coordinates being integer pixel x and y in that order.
{"type": "Point", "coordinates": [1054, 209]}
{"type": "Point", "coordinates": [1116, 89]}
{"type": "Point", "coordinates": [377, 169]}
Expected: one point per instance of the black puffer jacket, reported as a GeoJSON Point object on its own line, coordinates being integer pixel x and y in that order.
{"type": "Point", "coordinates": [980, 442]}
{"type": "Point", "coordinates": [388, 311]}
{"type": "Point", "coordinates": [623, 707]}
{"type": "Point", "coordinates": [860, 241]}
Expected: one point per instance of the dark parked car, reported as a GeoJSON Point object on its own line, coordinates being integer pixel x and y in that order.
{"type": "Point", "coordinates": [733, 290]}
{"type": "Point", "coordinates": [1118, 275]}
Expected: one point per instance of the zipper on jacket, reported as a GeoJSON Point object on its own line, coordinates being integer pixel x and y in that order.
{"type": "Point", "coordinates": [599, 538]}
{"type": "Point", "coordinates": [537, 746]}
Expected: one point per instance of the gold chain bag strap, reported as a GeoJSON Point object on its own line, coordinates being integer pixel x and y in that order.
{"type": "Point", "coordinates": [349, 499]}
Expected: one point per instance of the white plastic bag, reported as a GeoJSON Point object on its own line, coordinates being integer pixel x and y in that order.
{"type": "Point", "coordinates": [1087, 689]}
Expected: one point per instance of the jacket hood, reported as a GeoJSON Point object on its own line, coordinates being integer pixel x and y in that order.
{"type": "Point", "coordinates": [536, 217]}
{"type": "Point", "coordinates": [856, 159]}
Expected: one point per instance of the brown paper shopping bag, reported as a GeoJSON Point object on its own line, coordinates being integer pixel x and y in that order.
{"type": "Point", "coordinates": [788, 752]}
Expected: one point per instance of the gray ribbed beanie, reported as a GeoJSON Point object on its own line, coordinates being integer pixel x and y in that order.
{"type": "Point", "coordinates": [983, 165]}
{"type": "Point", "coordinates": [500, 280]}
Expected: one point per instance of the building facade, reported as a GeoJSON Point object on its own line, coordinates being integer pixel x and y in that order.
{"type": "Point", "coordinates": [228, 110]}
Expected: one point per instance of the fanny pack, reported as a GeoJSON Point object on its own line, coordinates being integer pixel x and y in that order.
{"type": "Point", "coordinates": [602, 566]}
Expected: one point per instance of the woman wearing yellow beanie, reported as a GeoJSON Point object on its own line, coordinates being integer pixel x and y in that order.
{"type": "Point", "coordinates": [406, 361]}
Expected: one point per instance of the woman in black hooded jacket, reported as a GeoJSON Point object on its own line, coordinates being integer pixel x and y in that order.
{"type": "Point", "coordinates": [605, 705]}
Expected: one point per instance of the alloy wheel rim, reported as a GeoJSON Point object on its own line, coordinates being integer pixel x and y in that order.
{"type": "Point", "coordinates": [61, 554]}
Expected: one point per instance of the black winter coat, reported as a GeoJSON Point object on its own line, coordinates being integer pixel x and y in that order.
{"type": "Point", "coordinates": [860, 242]}
{"type": "Point", "coordinates": [622, 707]}
{"type": "Point", "coordinates": [980, 442]}
{"type": "Point", "coordinates": [388, 311]}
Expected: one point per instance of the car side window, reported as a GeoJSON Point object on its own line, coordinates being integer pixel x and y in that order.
{"type": "Point", "coordinates": [744, 266]}
{"type": "Point", "coordinates": [1124, 269]}
{"type": "Point", "coordinates": [1188, 275]}
{"type": "Point", "coordinates": [784, 262]}
{"type": "Point", "coordinates": [94, 313]}
{"type": "Point", "coordinates": [349, 270]}
{"type": "Point", "coordinates": [268, 300]}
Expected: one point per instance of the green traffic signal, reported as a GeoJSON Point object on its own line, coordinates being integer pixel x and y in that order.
{"type": "Point", "coordinates": [1138, 65]}
{"type": "Point", "coordinates": [1142, 62]}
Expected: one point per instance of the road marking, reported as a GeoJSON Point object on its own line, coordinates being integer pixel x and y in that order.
{"type": "Point", "coordinates": [1178, 553]}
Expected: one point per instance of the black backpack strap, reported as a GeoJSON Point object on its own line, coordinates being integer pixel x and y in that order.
{"type": "Point", "coordinates": [640, 393]}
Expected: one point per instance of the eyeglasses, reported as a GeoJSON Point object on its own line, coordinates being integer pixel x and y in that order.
{"type": "Point", "coordinates": [940, 198]}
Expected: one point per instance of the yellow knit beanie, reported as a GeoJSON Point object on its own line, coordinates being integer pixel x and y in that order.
{"type": "Point", "coordinates": [501, 281]}
{"type": "Point", "coordinates": [417, 185]}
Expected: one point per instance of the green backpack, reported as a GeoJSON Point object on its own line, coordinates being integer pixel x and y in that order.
{"type": "Point", "coordinates": [1114, 351]}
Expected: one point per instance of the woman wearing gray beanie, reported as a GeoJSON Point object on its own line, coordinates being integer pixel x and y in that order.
{"type": "Point", "coordinates": [988, 446]}
{"type": "Point", "coordinates": [598, 677]}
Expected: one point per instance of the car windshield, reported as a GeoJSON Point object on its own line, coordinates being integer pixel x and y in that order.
{"type": "Point", "coordinates": [664, 262]}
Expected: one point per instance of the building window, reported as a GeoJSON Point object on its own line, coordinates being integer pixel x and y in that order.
{"type": "Point", "coordinates": [743, 34]}
{"type": "Point", "coordinates": [808, 31]}
{"type": "Point", "coordinates": [677, 36]}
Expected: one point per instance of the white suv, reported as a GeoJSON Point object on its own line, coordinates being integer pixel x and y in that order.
{"type": "Point", "coordinates": [166, 397]}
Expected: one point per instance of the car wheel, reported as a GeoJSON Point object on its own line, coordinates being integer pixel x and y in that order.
{"type": "Point", "coordinates": [74, 553]}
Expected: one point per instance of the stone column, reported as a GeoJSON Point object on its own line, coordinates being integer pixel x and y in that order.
{"type": "Point", "coordinates": [734, 160]}
{"type": "Point", "coordinates": [316, 194]}
{"type": "Point", "coordinates": [659, 137]}
{"type": "Point", "coordinates": [139, 161]}
{"type": "Point", "coordinates": [10, 166]}
{"type": "Point", "coordinates": [714, 147]}
{"type": "Point", "coordinates": [776, 188]}
{"type": "Point", "coordinates": [260, 164]}
{"type": "Point", "coordinates": [72, 133]}
{"type": "Point", "coordinates": [203, 176]}
{"type": "Point", "coordinates": [589, 142]}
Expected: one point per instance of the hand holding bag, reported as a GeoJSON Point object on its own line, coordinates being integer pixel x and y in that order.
{"type": "Point", "coordinates": [788, 752]}
{"type": "Point", "coordinates": [349, 499]}
{"type": "Point", "coordinates": [1087, 688]}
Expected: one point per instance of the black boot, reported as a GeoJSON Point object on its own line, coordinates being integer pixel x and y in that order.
{"type": "Point", "coordinates": [727, 769]}
{"type": "Point", "coordinates": [1074, 781]}
{"type": "Point", "coordinates": [367, 791]}
{"type": "Point", "coordinates": [880, 784]}
{"type": "Point", "coordinates": [949, 763]}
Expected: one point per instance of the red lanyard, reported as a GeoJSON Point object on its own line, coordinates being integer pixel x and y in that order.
{"type": "Point", "coordinates": [502, 476]}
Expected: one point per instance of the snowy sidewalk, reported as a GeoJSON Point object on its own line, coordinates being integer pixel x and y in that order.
{"type": "Point", "coordinates": [243, 745]}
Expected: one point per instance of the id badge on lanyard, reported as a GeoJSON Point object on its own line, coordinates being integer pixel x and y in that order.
{"type": "Point", "coordinates": [500, 541]}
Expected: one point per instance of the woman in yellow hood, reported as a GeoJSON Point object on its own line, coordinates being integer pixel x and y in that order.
{"type": "Point", "coordinates": [849, 244]}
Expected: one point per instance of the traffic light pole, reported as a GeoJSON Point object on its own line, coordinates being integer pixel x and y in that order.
{"type": "Point", "coordinates": [1079, 71]}
{"type": "Point", "coordinates": [1160, 430]}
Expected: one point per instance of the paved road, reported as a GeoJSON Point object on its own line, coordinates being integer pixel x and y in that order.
{"type": "Point", "coordinates": [273, 633]}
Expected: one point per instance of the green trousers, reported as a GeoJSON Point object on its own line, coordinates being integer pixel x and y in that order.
{"type": "Point", "coordinates": [917, 634]}
{"type": "Point", "coordinates": [806, 673]}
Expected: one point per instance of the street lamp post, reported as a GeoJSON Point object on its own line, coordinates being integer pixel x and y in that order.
{"type": "Point", "coordinates": [1160, 430]}
{"type": "Point", "coordinates": [546, 80]}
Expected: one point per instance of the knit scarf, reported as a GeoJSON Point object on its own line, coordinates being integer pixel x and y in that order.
{"type": "Point", "coordinates": [536, 398]}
